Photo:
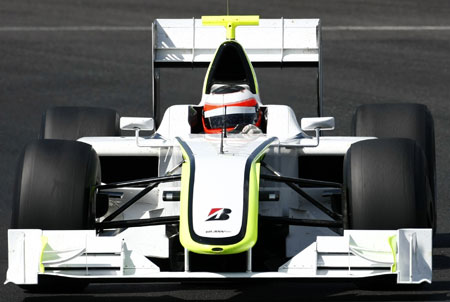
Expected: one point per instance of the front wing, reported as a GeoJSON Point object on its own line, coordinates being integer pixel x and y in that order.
{"type": "Point", "coordinates": [406, 253]}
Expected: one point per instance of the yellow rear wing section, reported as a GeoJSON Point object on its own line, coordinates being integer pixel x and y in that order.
{"type": "Point", "coordinates": [230, 23]}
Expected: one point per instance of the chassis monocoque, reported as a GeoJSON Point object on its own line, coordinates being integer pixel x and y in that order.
{"type": "Point", "coordinates": [183, 204]}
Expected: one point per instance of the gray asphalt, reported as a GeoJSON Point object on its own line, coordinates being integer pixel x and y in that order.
{"type": "Point", "coordinates": [41, 68]}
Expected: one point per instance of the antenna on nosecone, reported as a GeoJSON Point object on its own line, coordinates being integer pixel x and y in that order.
{"type": "Point", "coordinates": [223, 133]}
{"type": "Point", "coordinates": [228, 8]}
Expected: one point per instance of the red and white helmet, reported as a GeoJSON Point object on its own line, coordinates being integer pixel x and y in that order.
{"type": "Point", "coordinates": [233, 106]}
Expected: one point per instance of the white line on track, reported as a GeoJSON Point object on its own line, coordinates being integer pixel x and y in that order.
{"type": "Point", "coordinates": [148, 28]}
{"type": "Point", "coordinates": [75, 28]}
{"type": "Point", "coordinates": [385, 28]}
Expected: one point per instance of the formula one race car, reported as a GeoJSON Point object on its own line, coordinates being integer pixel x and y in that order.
{"type": "Point", "coordinates": [228, 188]}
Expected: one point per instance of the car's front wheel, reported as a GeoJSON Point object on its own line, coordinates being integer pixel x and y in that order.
{"type": "Point", "coordinates": [56, 186]}
{"type": "Point", "coordinates": [55, 190]}
{"type": "Point", "coordinates": [386, 185]}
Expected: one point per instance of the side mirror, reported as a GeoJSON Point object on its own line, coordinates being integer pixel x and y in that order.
{"type": "Point", "coordinates": [317, 124]}
{"type": "Point", "coordinates": [137, 123]}
{"type": "Point", "coordinates": [320, 123]}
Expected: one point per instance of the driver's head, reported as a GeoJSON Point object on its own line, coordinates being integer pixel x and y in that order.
{"type": "Point", "coordinates": [234, 105]}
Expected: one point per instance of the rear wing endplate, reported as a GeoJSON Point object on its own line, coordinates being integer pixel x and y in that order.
{"type": "Point", "coordinates": [272, 43]}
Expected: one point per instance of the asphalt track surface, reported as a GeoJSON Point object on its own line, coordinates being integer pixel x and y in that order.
{"type": "Point", "coordinates": [97, 53]}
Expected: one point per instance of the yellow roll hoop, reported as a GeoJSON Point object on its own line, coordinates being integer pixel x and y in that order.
{"type": "Point", "coordinates": [230, 22]}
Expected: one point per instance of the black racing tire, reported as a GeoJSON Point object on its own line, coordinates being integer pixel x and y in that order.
{"type": "Point", "coordinates": [413, 121]}
{"type": "Point", "coordinates": [386, 186]}
{"type": "Point", "coordinates": [72, 123]}
{"type": "Point", "coordinates": [55, 187]}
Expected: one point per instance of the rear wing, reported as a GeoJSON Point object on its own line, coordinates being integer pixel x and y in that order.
{"type": "Point", "coordinates": [272, 43]}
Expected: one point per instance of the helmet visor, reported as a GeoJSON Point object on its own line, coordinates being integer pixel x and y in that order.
{"type": "Point", "coordinates": [230, 117]}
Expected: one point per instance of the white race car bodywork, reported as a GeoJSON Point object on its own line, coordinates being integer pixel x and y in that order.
{"type": "Point", "coordinates": [357, 253]}
{"type": "Point", "coordinates": [313, 252]}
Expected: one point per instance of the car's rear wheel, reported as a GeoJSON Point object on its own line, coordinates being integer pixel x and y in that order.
{"type": "Point", "coordinates": [71, 123]}
{"type": "Point", "coordinates": [413, 121]}
{"type": "Point", "coordinates": [386, 185]}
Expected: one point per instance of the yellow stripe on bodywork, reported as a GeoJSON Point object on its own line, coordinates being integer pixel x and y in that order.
{"type": "Point", "coordinates": [255, 80]}
{"type": "Point", "coordinates": [205, 81]}
{"type": "Point", "coordinates": [393, 244]}
{"type": "Point", "coordinates": [253, 72]}
{"type": "Point", "coordinates": [251, 233]}
{"type": "Point", "coordinates": [185, 237]}
{"type": "Point", "coordinates": [44, 242]}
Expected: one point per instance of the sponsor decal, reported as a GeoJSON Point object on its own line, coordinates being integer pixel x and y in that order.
{"type": "Point", "coordinates": [217, 231]}
{"type": "Point", "coordinates": [218, 214]}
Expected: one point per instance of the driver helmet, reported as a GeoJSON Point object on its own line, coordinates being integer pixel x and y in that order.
{"type": "Point", "coordinates": [234, 105]}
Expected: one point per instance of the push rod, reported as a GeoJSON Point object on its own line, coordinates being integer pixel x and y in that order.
{"type": "Point", "coordinates": [303, 222]}
{"type": "Point", "coordinates": [301, 181]}
{"type": "Point", "coordinates": [138, 222]}
{"type": "Point", "coordinates": [139, 182]}
{"type": "Point", "coordinates": [305, 195]}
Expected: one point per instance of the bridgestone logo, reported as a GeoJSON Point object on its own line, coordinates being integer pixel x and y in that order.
{"type": "Point", "coordinates": [218, 214]}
